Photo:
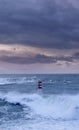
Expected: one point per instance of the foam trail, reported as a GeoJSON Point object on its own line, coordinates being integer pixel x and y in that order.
{"type": "Point", "coordinates": [39, 92]}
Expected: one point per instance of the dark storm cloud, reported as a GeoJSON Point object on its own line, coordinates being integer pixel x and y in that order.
{"type": "Point", "coordinates": [76, 56]}
{"type": "Point", "coordinates": [38, 58]}
{"type": "Point", "coordinates": [41, 23]}
{"type": "Point", "coordinates": [28, 60]}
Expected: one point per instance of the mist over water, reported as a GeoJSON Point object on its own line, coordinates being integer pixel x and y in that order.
{"type": "Point", "coordinates": [24, 107]}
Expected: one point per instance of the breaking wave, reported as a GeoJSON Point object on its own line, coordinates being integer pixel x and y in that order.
{"type": "Point", "coordinates": [16, 80]}
{"type": "Point", "coordinates": [64, 107]}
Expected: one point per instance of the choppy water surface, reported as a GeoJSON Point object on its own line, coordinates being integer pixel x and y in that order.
{"type": "Point", "coordinates": [24, 107]}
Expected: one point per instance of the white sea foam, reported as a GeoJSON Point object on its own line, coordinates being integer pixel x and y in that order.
{"type": "Point", "coordinates": [54, 106]}
{"type": "Point", "coordinates": [42, 125]}
{"type": "Point", "coordinates": [16, 80]}
{"type": "Point", "coordinates": [51, 112]}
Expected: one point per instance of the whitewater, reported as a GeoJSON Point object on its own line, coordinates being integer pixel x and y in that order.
{"type": "Point", "coordinates": [24, 107]}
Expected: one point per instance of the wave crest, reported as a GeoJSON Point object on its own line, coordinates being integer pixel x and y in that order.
{"type": "Point", "coordinates": [16, 80]}
{"type": "Point", "coordinates": [54, 106]}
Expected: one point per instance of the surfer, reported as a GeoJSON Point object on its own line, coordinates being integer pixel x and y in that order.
{"type": "Point", "coordinates": [40, 84]}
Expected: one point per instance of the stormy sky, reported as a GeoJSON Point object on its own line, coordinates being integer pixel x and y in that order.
{"type": "Point", "coordinates": [39, 36]}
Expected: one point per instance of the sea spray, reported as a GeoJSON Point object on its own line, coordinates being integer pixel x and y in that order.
{"type": "Point", "coordinates": [53, 106]}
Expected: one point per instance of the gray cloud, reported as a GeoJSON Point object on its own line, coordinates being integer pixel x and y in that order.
{"type": "Point", "coordinates": [76, 56]}
{"type": "Point", "coordinates": [28, 60]}
{"type": "Point", "coordinates": [37, 58]}
{"type": "Point", "coordinates": [47, 24]}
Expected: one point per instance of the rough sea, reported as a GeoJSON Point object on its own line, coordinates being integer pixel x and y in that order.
{"type": "Point", "coordinates": [25, 107]}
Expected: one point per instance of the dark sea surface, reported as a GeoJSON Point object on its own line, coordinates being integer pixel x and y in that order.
{"type": "Point", "coordinates": [25, 107]}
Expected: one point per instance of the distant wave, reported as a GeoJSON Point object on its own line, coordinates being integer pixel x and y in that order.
{"type": "Point", "coordinates": [16, 80]}
{"type": "Point", "coordinates": [25, 80]}
{"type": "Point", "coordinates": [53, 106]}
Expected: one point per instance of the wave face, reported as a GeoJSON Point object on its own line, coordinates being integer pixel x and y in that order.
{"type": "Point", "coordinates": [37, 109]}
{"type": "Point", "coordinates": [24, 107]}
{"type": "Point", "coordinates": [54, 106]}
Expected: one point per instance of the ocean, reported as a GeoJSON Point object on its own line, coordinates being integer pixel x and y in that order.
{"type": "Point", "coordinates": [25, 107]}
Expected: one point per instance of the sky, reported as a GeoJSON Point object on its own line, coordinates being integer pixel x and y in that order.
{"type": "Point", "coordinates": [39, 36]}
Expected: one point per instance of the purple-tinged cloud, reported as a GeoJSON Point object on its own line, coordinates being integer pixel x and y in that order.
{"type": "Point", "coordinates": [37, 58]}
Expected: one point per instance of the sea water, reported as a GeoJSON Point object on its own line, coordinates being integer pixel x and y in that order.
{"type": "Point", "coordinates": [54, 107]}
